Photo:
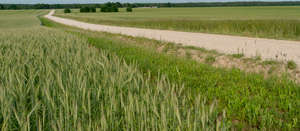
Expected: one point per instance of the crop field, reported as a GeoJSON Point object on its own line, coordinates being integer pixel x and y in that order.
{"type": "Point", "coordinates": [266, 22]}
{"type": "Point", "coordinates": [19, 19]}
{"type": "Point", "coordinates": [51, 79]}
{"type": "Point", "coordinates": [55, 77]}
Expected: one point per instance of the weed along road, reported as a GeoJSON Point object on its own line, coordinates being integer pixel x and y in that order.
{"type": "Point", "coordinates": [250, 47]}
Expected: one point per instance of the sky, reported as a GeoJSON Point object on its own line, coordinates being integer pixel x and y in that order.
{"type": "Point", "coordinates": [123, 1]}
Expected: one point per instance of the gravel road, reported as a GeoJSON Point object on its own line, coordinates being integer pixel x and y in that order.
{"type": "Point", "coordinates": [250, 47]}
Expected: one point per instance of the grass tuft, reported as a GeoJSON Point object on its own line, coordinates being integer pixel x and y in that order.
{"type": "Point", "coordinates": [291, 65]}
{"type": "Point", "coordinates": [210, 59]}
{"type": "Point", "coordinates": [238, 55]}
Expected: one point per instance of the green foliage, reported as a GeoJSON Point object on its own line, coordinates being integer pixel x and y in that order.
{"type": "Point", "coordinates": [210, 59]}
{"type": "Point", "coordinates": [92, 9]}
{"type": "Point", "coordinates": [13, 7]}
{"type": "Point", "coordinates": [67, 10]}
{"type": "Point", "coordinates": [87, 9]}
{"type": "Point", "coordinates": [41, 6]}
{"type": "Point", "coordinates": [291, 65]}
{"type": "Point", "coordinates": [270, 62]}
{"type": "Point", "coordinates": [110, 7]}
{"type": "Point", "coordinates": [169, 4]}
{"type": "Point", "coordinates": [239, 55]}
{"type": "Point", "coordinates": [129, 9]}
{"type": "Point", "coordinates": [2, 7]}
{"type": "Point", "coordinates": [84, 9]}
{"type": "Point", "coordinates": [118, 4]}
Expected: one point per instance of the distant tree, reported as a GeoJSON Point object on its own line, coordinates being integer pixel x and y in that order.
{"type": "Point", "coordinates": [104, 8]}
{"type": "Point", "coordinates": [84, 9]}
{"type": "Point", "coordinates": [114, 8]}
{"type": "Point", "coordinates": [126, 4]}
{"type": "Point", "coordinates": [1, 7]}
{"type": "Point", "coordinates": [42, 6]}
{"type": "Point", "coordinates": [67, 10]}
{"type": "Point", "coordinates": [56, 6]}
{"type": "Point", "coordinates": [88, 9]}
{"type": "Point", "coordinates": [133, 5]}
{"type": "Point", "coordinates": [169, 4]}
{"type": "Point", "coordinates": [12, 7]}
{"type": "Point", "coordinates": [92, 9]}
{"type": "Point", "coordinates": [118, 4]}
{"type": "Point", "coordinates": [129, 9]}
{"type": "Point", "coordinates": [109, 4]}
{"type": "Point", "coordinates": [158, 6]}
{"type": "Point", "coordinates": [109, 7]}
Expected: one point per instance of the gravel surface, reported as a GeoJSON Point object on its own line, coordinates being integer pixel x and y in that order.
{"type": "Point", "coordinates": [250, 47]}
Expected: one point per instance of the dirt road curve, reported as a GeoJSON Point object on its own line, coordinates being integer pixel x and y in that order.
{"type": "Point", "coordinates": [250, 47]}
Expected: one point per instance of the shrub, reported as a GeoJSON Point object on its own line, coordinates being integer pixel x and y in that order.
{"type": "Point", "coordinates": [1, 7]}
{"type": "Point", "coordinates": [67, 10]}
{"type": "Point", "coordinates": [109, 7]}
{"type": "Point", "coordinates": [115, 8]}
{"type": "Point", "coordinates": [129, 9]}
{"type": "Point", "coordinates": [210, 59]}
{"type": "Point", "coordinates": [88, 9]}
{"type": "Point", "coordinates": [104, 9]}
{"type": "Point", "coordinates": [84, 9]}
{"type": "Point", "coordinates": [92, 9]}
{"type": "Point", "coordinates": [13, 7]}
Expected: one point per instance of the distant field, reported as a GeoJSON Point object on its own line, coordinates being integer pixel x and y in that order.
{"type": "Point", "coordinates": [267, 22]}
{"type": "Point", "coordinates": [19, 19]}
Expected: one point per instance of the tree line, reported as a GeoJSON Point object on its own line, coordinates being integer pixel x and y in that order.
{"type": "Point", "coordinates": [158, 5]}
{"type": "Point", "coordinates": [107, 7]}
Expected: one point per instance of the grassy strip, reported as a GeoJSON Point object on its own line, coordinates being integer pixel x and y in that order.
{"type": "Point", "coordinates": [250, 100]}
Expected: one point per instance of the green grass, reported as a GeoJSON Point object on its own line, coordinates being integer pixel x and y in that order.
{"type": "Point", "coordinates": [270, 62]}
{"type": "Point", "coordinates": [19, 19]}
{"type": "Point", "coordinates": [250, 100]}
{"type": "Point", "coordinates": [291, 64]}
{"type": "Point", "coordinates": [54, 80]}
{"type": "Point", "coordinates": [210, 59]}
{"type": "Point", "coordinates": [239, 55]}
{"type": "Point", "coordinates": [266, 22]}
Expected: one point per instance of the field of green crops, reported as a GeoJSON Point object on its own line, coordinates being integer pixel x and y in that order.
{"type": "Point", "coordinates": [53, 80]}
{"type": "Point", "coordinates": [19, 19]}
{"type": "Point", "coordinates": [54, 77]}
{"type": "Point", "coordinates": [266, 22]}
